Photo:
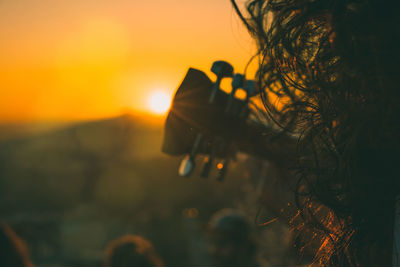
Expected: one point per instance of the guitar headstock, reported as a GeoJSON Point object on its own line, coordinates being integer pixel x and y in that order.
{"type": "Point", "coordinates": [204, 120]}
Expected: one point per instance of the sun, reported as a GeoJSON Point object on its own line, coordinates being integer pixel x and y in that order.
{"type": "Point", "coordinates": [159, 102]}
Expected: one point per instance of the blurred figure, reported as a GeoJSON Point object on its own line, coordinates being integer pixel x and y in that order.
{"type": "Point", "coordinates": [231, 241]}
{"type": "Point", "coordinates": [13, 251]}
{"type": "Point", "coordinates": [131, 251]}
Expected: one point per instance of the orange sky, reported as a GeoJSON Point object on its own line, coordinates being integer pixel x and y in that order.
{"type": "Point", "coordinates": [82, 59]}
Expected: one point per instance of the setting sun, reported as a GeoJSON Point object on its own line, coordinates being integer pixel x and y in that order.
{"type": "Point", "coordinates": [159, 102]}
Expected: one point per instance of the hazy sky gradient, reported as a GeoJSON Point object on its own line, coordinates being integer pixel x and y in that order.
{"type": "Point", "coordinates": [80, 59]}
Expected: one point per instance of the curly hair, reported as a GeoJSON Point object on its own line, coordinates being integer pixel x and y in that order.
{"type": "Point", "coordinates": [331, 78]}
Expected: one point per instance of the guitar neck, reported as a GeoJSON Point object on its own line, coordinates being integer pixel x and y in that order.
{"type": "Point", "coordinates": [267, 143]}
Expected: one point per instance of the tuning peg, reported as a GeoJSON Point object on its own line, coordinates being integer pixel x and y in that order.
{"type": "Point", "coordinates": [221, 69]}
{"type": "Point", "coordinates": [207, 166]}
{"type": "Point", "coordinates": [188, 162]}
{"type": "Point", "coordinates": [237, 82]}
{"type": "Point", "coordinates": [208, 160]}
{"type": "Point", "coordinates": [222, 168]}
{"type": "Point", "coordinates": [187, 166]}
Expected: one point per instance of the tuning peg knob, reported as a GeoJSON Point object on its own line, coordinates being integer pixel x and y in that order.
{"type": "Point", "coordinates": [187, 166]}
{"type": "Point", "coordinates": [222, 69]}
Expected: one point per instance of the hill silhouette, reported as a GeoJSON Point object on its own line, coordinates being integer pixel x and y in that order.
{"type": "Point", "coordinates": [74, 156]}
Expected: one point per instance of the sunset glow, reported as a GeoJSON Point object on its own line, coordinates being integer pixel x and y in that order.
{"type": "Point", "coordinates": [73, 60]}
{"type": "Point", "coordinates": [159, 102]}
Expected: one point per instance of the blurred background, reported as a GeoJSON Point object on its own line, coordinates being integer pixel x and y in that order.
{"type": "Point", "coordinates": [85, 59]}
{"type": "Point", "coordinates": [85, 87]}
